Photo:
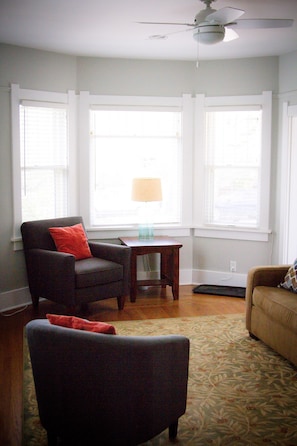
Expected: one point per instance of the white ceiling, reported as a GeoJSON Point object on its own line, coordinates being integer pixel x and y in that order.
{"type": "Point", "coordinates": [108, 28]}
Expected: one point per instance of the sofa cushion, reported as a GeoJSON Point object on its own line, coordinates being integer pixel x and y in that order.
{"type": "Point", "coordinates": [279, 304]}
{"type": "Point", "coordinates": [290, 280]}
{"type": "Point", "coordinates": [72, 240]}
{"type": "Point", "coordinates": [80, 324]}
{"type": "Point", "coordinates": [95, 271]}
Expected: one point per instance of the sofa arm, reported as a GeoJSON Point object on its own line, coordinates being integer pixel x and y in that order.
{"type": "Point", "coordinates": [51, 273]}
{"type": "Point", "coordinates": [265, 276]}
{"type": "Point", "coordinates": [271, 275]}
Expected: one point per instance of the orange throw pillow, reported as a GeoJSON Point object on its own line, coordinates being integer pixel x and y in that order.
{"type": "Point", "coordinates": [72, 240]}
{"type": "Point", "coordinates": [81, 324]}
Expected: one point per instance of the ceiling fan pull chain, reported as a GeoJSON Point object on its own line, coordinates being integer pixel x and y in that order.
{"type": "Point", "coordinates": [198, 55]}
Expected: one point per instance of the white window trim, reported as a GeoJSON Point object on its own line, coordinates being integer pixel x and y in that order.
{"type": "Point", "coordinates": [17, 95]}
{"type": "Point", "coordinates": [185, 104]}
{"type": "Point", "coordinates": [288, 112]}
{"type": "Point", "coordinates": [202, 105]}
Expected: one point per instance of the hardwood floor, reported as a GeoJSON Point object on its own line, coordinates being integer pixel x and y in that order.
{"type": "Point", "coordinates": [152, 303]}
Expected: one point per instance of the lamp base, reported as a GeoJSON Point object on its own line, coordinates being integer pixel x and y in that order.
{"type": "Point", "coordinates": [146, 232]}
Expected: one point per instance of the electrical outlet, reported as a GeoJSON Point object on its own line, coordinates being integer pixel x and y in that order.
{"type": "Point", "coordinates": [233, 266]}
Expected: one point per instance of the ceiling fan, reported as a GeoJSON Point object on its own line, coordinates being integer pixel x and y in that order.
{"type": "Point", "coordinates": [210, 25]}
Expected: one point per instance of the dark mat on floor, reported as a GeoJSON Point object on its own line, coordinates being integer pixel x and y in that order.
{"type": "Point", "coordinates": [219, 290]}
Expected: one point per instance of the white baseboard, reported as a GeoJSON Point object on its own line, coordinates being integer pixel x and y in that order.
{"type": "Point", "coordinates": [195, 277]}
{"type": "Point", "coordinates": [219, 278]}
{"type": "Point", "coordinates": [185, 277]}
{"type": "Point", "coordinates": [14, 299]}
{"type": "Point", "coordinates": [21, 296]}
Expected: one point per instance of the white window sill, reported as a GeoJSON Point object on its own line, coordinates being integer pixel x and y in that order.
{"type": "Point", "coordinates": [180, 231]}
{"type": "Point", "coordinates": [233, 234]}
{"type": "Point", "coordinates": [113, 233]}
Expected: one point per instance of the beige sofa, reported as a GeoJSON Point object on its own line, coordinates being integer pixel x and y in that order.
{"type": "Point", "coordinates": [271, 312]}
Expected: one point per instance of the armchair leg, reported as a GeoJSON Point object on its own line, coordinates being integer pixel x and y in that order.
{"type": "Point", "coordinates": [52, 439]}
{"type": "Point", "coordinates": [253, 336]}
{"type": "Point", "coordinates": [173, 430]}
{"type": "Point", "coordinates": [35, 300]}
{"type": "Point", "coordinates": [121, 302]}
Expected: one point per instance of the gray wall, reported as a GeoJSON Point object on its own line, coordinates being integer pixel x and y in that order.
{"type": "Point", "coordinates": [288, 74]}
{"type": "Point", "coordinates": [54, 72]}
{"type": "Point", "coordinates": [169, 78]}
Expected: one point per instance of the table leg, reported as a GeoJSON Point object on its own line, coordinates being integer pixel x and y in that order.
{"type": "Point", "coordinates": [163, 266]}
{"type": "Point", "coordinates": [133, 285]}
{"type": "Point", "coordinates": [175, 273]}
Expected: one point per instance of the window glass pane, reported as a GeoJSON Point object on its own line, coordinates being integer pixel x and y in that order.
{"type": "Point", "coordinates": [40, 193]}
{"type": "Point", "coordinates": [128, 144]}
{"type": "Point", "coordinates": [44, 162]}
{"type": "Point", "coordinates": [233, 161]}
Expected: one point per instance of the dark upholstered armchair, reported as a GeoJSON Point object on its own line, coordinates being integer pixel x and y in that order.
{"type": "Point", "coordinates": [59, 277]}
{"type": "Point", "coordinates": [103, 389]}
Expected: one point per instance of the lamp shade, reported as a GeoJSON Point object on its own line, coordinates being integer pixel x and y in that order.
{"type": "Point", "coordinates": [146, 189]}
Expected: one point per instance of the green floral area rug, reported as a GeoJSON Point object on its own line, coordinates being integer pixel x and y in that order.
{"type": "Point", "coordinates": [240, 392]}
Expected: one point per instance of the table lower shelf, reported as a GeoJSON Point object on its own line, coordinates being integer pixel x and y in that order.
{"type": "Point", "coordinates": [154, 282]}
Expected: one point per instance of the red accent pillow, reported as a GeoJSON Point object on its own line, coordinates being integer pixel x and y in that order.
{"type": "Point", "coordinates": [73, 240]}
{"type": "Point", "coordinates": [81, 324]}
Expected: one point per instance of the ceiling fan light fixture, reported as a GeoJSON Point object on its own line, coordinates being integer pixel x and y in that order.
{"type": "Point", "coordinates": [209, 34]}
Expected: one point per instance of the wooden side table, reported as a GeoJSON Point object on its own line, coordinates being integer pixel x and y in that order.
{"type": "Point", "coordinates": [169, 263]}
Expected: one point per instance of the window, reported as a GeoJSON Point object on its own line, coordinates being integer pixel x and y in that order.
{"type": "Point", "coordinates": [233, 138]}
{"type": "Point", "coordinates": [232, 168]}
{"type": "Point", "coordinates": [44, 155]}
{"type": "Point", "coordinates": [134, 142]}
{"type": "Point", "coordinates": [44, 160]}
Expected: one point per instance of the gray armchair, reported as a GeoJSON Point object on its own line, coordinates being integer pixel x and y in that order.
{"type": "Point", "coordinates": [57, 276]}
{"type": "Point", "coordinates": [107, 390]}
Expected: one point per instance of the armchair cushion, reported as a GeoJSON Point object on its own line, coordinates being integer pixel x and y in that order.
{"type": "Point", "coordinates": [80, 324]}
{"type": "Point", "coordinates": [95, 271]}
{"type": "Point", "coordinates": [72, 240]}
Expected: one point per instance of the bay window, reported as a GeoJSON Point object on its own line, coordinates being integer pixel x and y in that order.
{"type": "Point", "coordinates": [212, 155]}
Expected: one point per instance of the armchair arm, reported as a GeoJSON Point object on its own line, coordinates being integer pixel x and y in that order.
{"type": "Point", "coordinates": [110, 251]}
{"type": "Point", "coordinates": [116, 253]}
{"type": "Point", "coordinates": [271, 275]}
{"type": "Point", "coordinates": [51, 273]}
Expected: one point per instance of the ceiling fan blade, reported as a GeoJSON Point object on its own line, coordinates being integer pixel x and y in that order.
{"type": "Point", "coordinates": [261, 23]}
{"type": "Point", "coordinates": [230, 35]}
{"type": "Point", "coordinates": [167, 23]}
{"type": "Point", "coordinates": [165, 35]}
{"type": "Point", "coordinates": [224, 15]}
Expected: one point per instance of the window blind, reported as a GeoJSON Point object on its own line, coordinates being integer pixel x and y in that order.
{"type": "Point", "coordinates": [44, 160]}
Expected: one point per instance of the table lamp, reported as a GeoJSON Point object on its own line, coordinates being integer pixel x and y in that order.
{"type": "Point", "coordinates": [146, 190]}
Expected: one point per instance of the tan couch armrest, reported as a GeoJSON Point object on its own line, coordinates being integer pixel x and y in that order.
{"type": "Point", "coordinates": [271, 275]}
